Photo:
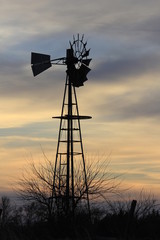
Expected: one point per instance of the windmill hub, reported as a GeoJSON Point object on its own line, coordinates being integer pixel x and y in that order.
{"type": "Point", "coordinates": [70, 58]}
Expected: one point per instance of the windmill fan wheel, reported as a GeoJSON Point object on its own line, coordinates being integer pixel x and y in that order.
{"type": "Point", "coordinates": [78, 72]}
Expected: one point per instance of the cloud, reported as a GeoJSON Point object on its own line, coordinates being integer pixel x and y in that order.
{"type": "Point", "coordinates": [126, 67]}
{"type": "Point", "coordinates": [129, 106]}
{"type": "Point", "coordinates": [39, 130]}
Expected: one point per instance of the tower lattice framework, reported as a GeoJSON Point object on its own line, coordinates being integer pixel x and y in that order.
{"type": "Point", "coordinates": [70, 177]}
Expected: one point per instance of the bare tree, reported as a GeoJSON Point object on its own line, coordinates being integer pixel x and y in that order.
{"type": "Point", "coordinates": [36, 183]}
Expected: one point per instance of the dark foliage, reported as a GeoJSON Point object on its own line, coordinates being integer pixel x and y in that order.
{"type": "Point", "coordinates": [28, 222]}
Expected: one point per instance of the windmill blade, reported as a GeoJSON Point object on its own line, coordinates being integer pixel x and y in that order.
{"type": "Point", "coordinates": [82, 75]}
{"type": "Point", "coordinates": [39, 58]}
{"type": "Point", "coordinates": [85, 44]}
{"type": "Point", "coordinates": [38, 68]}
{"type": "Point", "coordinates": [82, 37]}
{"type": "Point", "coordinates": [86, 54]}
{"type": "Point", "coordinates": [83, 70]}
{"type": "Point", "coordinates": [78, 76]}
{"type": "Point", "coordinates": [70, 44]}
{"type": "Point", "coordinates": [86, 61]}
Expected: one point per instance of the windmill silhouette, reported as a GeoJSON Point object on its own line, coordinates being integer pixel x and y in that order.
{"type": "Point", "coordinates": [70, 161]}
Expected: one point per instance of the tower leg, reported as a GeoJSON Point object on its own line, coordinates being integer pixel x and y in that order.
{"type": "Point", "coordinates": [56, 170]}
{"type": "Point", "coordinates": [84, 166]}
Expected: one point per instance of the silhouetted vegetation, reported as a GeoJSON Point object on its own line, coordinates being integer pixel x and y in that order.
{"type": "Point", "coordinates": [108, 221]}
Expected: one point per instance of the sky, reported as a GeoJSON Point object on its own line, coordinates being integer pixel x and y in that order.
{"type": "Point", "coordinates": [122, 93]}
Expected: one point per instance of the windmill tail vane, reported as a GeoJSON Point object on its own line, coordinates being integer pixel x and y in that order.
{"type": "Point", "coordinates": [69, 159]}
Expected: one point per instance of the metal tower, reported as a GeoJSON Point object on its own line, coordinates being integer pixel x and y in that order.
{"type": "Point", "coordinates": [70, 178]}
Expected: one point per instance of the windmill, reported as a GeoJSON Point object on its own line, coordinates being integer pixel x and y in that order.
{"type": "Point", "coordinates": [69, 152]}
